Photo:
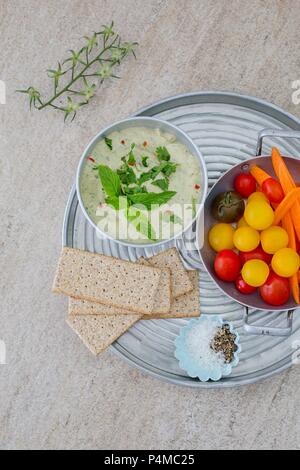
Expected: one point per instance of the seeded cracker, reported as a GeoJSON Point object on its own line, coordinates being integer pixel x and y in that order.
{"type": "Point", "coordinates": [99, 332]}
{"type": "Point", "coordinates": [187, 305]}
{"type": "Point", "coordinates": [180, 281]}
{"type": "Point", "coordinates": [111, 281]}
{"type": "Point", "coordinates": [162, 300]}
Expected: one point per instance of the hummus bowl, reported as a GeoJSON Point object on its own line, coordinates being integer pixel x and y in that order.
{"type": "Point", "coordinates": [141, 182]}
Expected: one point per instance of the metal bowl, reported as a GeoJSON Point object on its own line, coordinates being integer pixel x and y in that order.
{"type": "Point", "coordinates": [225, 183]}
{"type": "Point", "coordinates": [150, 123]}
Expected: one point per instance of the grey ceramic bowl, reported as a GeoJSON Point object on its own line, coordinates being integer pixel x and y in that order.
{"type": "Point", "coordinates": [150, 123]}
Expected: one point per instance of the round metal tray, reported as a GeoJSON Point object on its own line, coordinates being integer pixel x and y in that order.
{"type": "Point", "coordinates": [225, 126]}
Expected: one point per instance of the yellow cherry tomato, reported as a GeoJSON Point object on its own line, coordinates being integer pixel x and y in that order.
{"type": "Point", "coordinates": [259, 215]}
{"type": "Point", "coordinates": [255, 272]}
{"type": "Point", "coordinates": [242, 223]}
{"type": "Point", "coordinates": [257, 196]}
{"type": "Point", "coordinates": [273, 239]}
{"type": "Point", "coordinates": [246, 238]}
{"type": "Point", "coordinates": [220, 237]}
{"type": "Point", "coordinates": [285, 262]}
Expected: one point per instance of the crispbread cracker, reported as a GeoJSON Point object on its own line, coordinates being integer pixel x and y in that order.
{"type": "Point", "coordinates": [85, 307]}
{"type": "Point", "coordinates": [97, 332]}
{"type": "Point", "coordinates": [162, 300]}
{"type": "Point", "coordinates": [111, 281]}
{"type": "Point", "coordinates": [188, 305]}
{"type": "Point", "coordinates": [180, 281]}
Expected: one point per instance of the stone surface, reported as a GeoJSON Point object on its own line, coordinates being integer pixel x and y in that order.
{"type": "Point", "coordinates": [54, 394]}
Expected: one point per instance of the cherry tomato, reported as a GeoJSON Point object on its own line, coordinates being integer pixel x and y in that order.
{"type": "Point", "coordinates": [276, 290]}
{"type": "Point", "coordinates": [273, 190]}
{"type": "Point", "coordinates": [246, 238]}
{"type": "Point", "coordinates": [245, 184]}
{"type": "Point", "coordinates": [220, 237]}
{"type": "Point", "coordinates": [259, 214]}
{"type": "Point", "coordinates": [257, 196]}
{"type": "Point", "coordinates": [227, 265]}
{"type": "Point", "coordinates": [242, 223]}
{"type": "Point", "coordinates": [243, 287]}
{"type": "Point", "coordinates": [274, 238]}
{"type": "Point", "coordinates": [286, 262]}
{"type": "Point", "coordinates": [258, 253]}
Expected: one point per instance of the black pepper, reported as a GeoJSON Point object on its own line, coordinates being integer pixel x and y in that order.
{"type": "Point", "coordinates": [224, 342]}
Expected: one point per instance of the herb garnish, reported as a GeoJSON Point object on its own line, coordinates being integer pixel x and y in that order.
{"type": "Point", "coordinates": [124, 184]}
{"type": "Point", "coordinates": [162, 184]}
{"type": "Point", "coordinates": [110, 181]}
{"type": "Point", "coordinates": [96, 60]}
{"type": "Point", "coordinates": [163, 154]}
{"type": "Point", "coordinates": [108, 143]}
{"type": "Point", "coordinates": [149, 199]}
{"type": "Point", "coordinates": [145, 161]}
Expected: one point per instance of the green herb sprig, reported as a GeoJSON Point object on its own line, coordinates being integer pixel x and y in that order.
{"type": "Point", "coordinates": [124, 188]}
{"type": "Point", "coordinates": [73, 85]}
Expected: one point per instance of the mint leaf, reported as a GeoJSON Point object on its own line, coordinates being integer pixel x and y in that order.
{"type": "Point", "coordinates": [135, 190]}
{"type": "Point", "coordinates": [108, 143]}
{"type": "Point", "coordinates": [162, 154]}
{"type": "Point", "coordinates": [113, 201]}
{"type": "Point", "coordinates": [162, 184]}
{"type": "Point", "coordinates": [110, 181]}
{"type": "Point", "coordinates": [145, 161]}
{"type": "Point", "coordinates": [149, 199]}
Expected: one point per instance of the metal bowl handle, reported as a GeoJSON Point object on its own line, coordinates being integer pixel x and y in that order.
{"type": "Point", "coordinates": [268, 330]}
{"type": "Point", "coordinates": [274, 133]}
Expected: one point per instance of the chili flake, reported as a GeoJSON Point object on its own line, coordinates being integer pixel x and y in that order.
{"type": "Point", "coordinates": [123, 142]}
{"type": "Point", "coordinates": [145, 143]}
{"type": "Point", "coordinates": [91, 159]}
{"type": "Point", "coordinates": [197, 186]}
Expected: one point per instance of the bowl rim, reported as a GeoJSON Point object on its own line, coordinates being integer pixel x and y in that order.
{"type": "Point", "coordinates": [139, 120]}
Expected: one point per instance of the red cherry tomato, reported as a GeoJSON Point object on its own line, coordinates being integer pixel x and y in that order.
{"type": "Point", "coordinates": [276, 290]}
{"type": "Point", "coordinates": [245, 184]}
{"type": "Point", "coordinates": [258, 253]}
{"type": "Point", "coordinates": [273, 190]}
{"type": "Point", "coordinates": [227, 265]}
{"type": "Point", "coordinates": [243, 287]}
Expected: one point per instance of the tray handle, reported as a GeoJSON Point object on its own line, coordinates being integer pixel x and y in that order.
{"type": "Point", "coordinates": [274, 133]}
{"type": "Point", "coordinates": [268, 330]}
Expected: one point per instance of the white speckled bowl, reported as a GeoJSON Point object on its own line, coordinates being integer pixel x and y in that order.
{"type": "Point", "coordinates": [151, 123]}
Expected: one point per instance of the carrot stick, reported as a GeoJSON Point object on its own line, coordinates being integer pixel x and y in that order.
{"type": "Point", "coordinates": [287, 184]}
{"type": "Point", "coordinates": [259, 174]}
{"type": "Point", "coordinates": [287, 224]}
{"type": "Point", "coordinates": [286, 204]}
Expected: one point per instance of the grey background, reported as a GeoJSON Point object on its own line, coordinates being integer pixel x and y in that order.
{"type": "Point", "coordinates": [54, 394]}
